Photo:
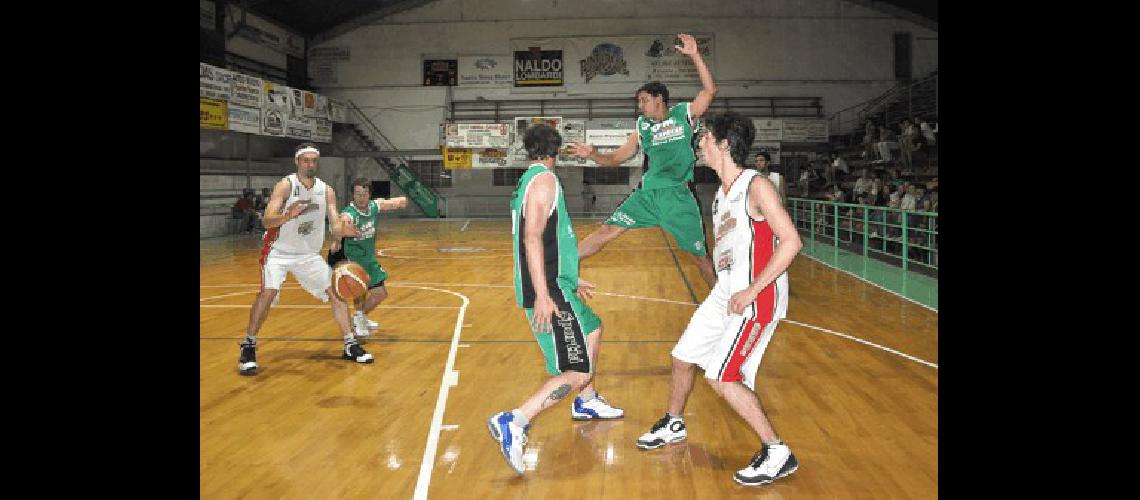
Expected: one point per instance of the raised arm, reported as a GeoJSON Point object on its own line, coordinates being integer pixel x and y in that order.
{"type": "Point", "coordinates": [612, 159]}
{"type": "Point", "coordinates": [708, 86]}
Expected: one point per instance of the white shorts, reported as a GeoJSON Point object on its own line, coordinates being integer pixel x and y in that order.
{"type": "Point", "coordinates": [311, 271]}
{"type": "Point", "coordinates": [727, 347]}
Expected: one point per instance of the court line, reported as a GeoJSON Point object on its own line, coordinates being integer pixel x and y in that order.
{"type": "Point", "coordinates": [397, 340]}
{"type": "Point", "coordinates": [450, 377]}
{"type": "Point", "coordinates": [464, 228]}
{"type": "Point", "coordinates": [679, 270]}
{"type": "Point", "coordinates": [203, 299]}
{"type": "Point", "coordinates": [324, 306]}
{"type": "Point", "coordinates": [861, 341]}
{"type": "Point", "coordinates": [860, 278]}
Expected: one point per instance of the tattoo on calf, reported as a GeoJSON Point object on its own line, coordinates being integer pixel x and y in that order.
{"type": "Point", "coordinates": [560, 392]}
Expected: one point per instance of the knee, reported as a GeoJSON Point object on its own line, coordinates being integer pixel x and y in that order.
{"type": "Point", "coordinates": [716, 385]}
{"type": "Point", "coordinates": [681, 366]}
{"type": "Point", "coordinates": [266, 295]}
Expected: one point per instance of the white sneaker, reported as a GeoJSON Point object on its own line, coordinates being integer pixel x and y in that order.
{"type": "Point", "coordinates": [594, 409]}
{"type": "Point", "coordinates": [359, 327]}
{"type": "Point", "coordinates": [667, 430]}
{"type": "Point", "coordinates": [770, 464]}
{"type": "Point", "coordinates": [511, 438]}
{"type": "Point", "coordinates": [372, 325]}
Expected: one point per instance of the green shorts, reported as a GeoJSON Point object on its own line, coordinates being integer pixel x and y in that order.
{"type": "Point", "coordinates": [674, 209]}
{"type": "Point", "coordinates": [377, 273]}
{"type": "Point", "coordinates": [565, 349]}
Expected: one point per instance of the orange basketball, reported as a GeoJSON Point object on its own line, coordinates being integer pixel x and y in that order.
{"type": "Point", "coordinates": [350, 280]}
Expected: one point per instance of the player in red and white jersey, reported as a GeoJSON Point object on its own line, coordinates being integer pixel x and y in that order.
{"type": "Point", "coordinates": [755, 242]}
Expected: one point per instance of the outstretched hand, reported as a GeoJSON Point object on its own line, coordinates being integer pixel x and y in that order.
{"type": "Point", "coordinates": [688, 44]}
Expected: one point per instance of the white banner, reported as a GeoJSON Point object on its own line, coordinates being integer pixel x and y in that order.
{"type": "Point", "coordinates": [322, 107]}
{"type": "Point", "coordinates": [478, 135]}
{"type": "Point", "coordinates": [486, 71]}
{"type": "Point", "coordinates": [610, 64]}
{"type": "Point", "coordinates": [572, 131]}
{"type": "Point", "coordinates": [805, 130]}
{"type": "Point", "coordinates": [245, 119]}
{"type": "Point", "coordinates": [606, 135]}
{"type": "Point", "coordinates": [516, 155]}
{"type": "Point", "coordinates": [299, 128]}
{"type": "Point", "coordinates": [322, 130]}
{"type": "Point", "coordinates": [296, 103]}
{"type": "Point", "coordinates": [274, 109]}
{"type": "Point", "coordinates": [214, 82]}
{"type": "Point", "coordinates": [246, 91]}
{"type": "Point", "coordinates": [772, 148]}
{"type": "Point", "coordinates": [768, 130]}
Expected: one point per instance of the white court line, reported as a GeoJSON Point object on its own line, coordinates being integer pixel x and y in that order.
{"type": "Point", "coordinates": [464, 228]}
{"type": "Point", "coordinates": [870, 282]}
{"type": "Point", "coordinates": [324, 306]}
{"type": "Point", "coordinates": [203, 299]}
{"type": "Point", "coordinates": [861, 341]}
{"type": "Point", "coordinates": [449, 378]}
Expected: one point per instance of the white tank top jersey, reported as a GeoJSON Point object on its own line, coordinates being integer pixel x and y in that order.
{"type": "Point", "coordinates": [306, 233]}
{"type": "Point", "coordinates": [744, 246]}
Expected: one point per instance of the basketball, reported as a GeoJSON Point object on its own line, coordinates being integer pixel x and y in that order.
{"type": "Point", "coordinates": [350, 281]}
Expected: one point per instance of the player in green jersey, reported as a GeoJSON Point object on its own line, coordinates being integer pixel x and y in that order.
{"type": "Point", "coordinates": [365, 215]}
{"type": "Point", "coordinates": [664, 198]}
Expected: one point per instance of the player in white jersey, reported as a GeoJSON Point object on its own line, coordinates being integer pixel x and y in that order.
{"type": "Point", "coordinates": [755, 242]}
{"type": "Point", "coordinates": [762, 161]}
{"type": "Point", "coordinates": [293, 240]}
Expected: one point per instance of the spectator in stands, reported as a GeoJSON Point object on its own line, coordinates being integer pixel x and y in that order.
{"type": "Point", "coordinates": [886, 143]}
{"type": "Point", "coordinates": [762, 159]}
{"type": "Point", "coordinates": [836, 194]}
{"type": "Point", "coordinates": [588, 197]}
{"type": "Point", "coordinates": [907, 142]}
{"type": "Point", "coordinates": [243, 211]}
{"type": "Point", "coordinates": [909, 197]}
{"type": "Point", "coordinates": [840, 164]}
{"type": "Point", "coordinates": [928, 132]}
{"type": "Point", "coordinates": [870, 137]}
{"type": "Point", "coordinates": [805, 182]}
{"type": "Point", "coordinates": [863, 185]}
{"type": "Point", "coordinates": [259, 205]}
{"type": "Point", "coordinates": [932, 202]}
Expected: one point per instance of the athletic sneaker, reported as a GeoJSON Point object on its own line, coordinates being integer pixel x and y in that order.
{"type": "Point", "coordinates": [597, 408]}
{"type": "Point", "coordinates": [511, 438]}
{"type": "Point", "coordinates": [353, 351]}
{"type": "Point", "coordinates": [360, 326]}
{"type": "Point", "coordinates": [771, 463]}
{"type": "Point", "coordinates": [247, 360]}
{"type": "Point", "coordinates": [667, 430]}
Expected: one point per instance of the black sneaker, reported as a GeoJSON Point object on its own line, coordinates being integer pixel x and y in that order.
{"type": "Point", "coordinates": [353, 352]}
{"type": "Point", "coordinates": [247, 361]}
{"type": "Point", "coordinates": [771, 463]}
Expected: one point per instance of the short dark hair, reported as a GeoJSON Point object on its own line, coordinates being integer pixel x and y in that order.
{"type": "Point", "coordinates": [541, 141]}
{"type": "Point", "coordinates": [737, 129]}
{"type": "Point", "coordinates": [767, 157]}
{"type": "Point", "coordinates": [364, 183]}
{"type": "Point", "coordinates": [654, 89]}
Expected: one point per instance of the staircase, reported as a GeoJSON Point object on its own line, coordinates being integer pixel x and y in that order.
{"type": "Point", "coordinates": [368, 137]}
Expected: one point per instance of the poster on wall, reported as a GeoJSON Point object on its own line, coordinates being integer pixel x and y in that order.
{"type": "Point", "coordinates": [275, 109]}
{"type": "Point", "coordinates": [296, 103]}
{"type": "Point", "coordinates": [537, 65]}
{"type": "Point", "coordinates": [606, 135]}
{"type": "Point", "coordinates": [489, 158]}
{"type": "Point", "coordinates": [516, 152]}
{"type": "Point", "coordinates": [244, 119]}
{"type": "Point", "coordinates": [338, 110]}
{"type": "Point", "coordinates": [486, 71]}
{"type": "Point", "coordinates": [322, 130]}
{"type": "Point", "coordinates": [212, 113]}
{"type": "Point", "coordinates": [805, 130]}
{"type": "Point", "coordinates": [246, 90]}
{"type": "Point", "coordinates": [768, 130]}
{"type": "Point", "coordinates": [456, 158]}
{"type": "Point", "coordinates": [572, 131]}
{"type": "Point", "coordinates": [322, 110]}
{"type": "Point", "coordinates": [772, 148]}
{"type": "Point", "coordinates": [478, 135]}
{"type": "Point", "coordinates": [441, 72]}
{"type": "Point", "coordinates": [214, 82]}
{"type": "Point", "coordinates": [299, 128]}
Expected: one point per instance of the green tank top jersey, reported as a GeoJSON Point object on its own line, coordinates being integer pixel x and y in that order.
{"type": "Point", "coordinates": [363, 246]}
{"type": "Point", "coordinates": [559, 244]}
{"type": "Point", "coordinates": [669, 146]}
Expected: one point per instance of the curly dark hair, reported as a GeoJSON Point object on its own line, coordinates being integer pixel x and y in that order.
{"type": "Point", "coordinates": [541, 141]}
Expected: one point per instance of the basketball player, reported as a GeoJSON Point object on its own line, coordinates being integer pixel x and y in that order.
{"type": "Point", "coordinates": [364, 214]}
{"type": "Point", "coordinates": [292, 244]}
{"type": "Point", "coordinates": [727, 335]}
{"type": "Point", "coordinates": [547, 287]}
{"type": "Point", "coordinates": [664, 197]}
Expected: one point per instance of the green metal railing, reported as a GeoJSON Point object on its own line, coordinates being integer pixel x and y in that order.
{"type": "Point", "coordinates": [895, 249]}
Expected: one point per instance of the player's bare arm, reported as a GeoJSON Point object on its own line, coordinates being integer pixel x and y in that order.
{"type": "Point", "coordinates": [536, 209]}
{"type": "Point", "coordinates": [274, 216]}
{"type": "Point", "coordinates": [704, 98]}
{"type": "Point", "coordinates": [612, 159]}
{"type": "Point", "coordinates": [763, 201]}
{"type": "Point", "coordinates": [338, 226]}
{"type": "Point", "coordinates": [392, 203]}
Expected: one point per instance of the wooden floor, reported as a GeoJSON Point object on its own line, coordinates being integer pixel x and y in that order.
{"type": "Point", "coordinates": [862, 421]}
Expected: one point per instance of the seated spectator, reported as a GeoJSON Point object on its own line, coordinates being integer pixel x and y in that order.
{"type": "Point", "coordinates": [243, 211]}
{"type": "Point", "coordinates": [839, 164]}
{"type": "Point", "coordinates": [805, 181]}
{"type": "Point", "coordinates": [909, 198]}
{"type": "Point", "coordinates": [886, 143]}
{"type": "Point", "coordinates": [863, 184]}
{"type": "Point", "coordinates": [928, 132]}
{"type": "Point", "coordinates": [836, 194]}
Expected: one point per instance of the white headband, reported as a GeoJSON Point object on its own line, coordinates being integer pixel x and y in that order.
{"type": "Point", "coordinates": [308, 149]}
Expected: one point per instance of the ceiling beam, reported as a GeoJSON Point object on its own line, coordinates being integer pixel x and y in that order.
{"type": "Point", "coordinates": [386, 9]}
